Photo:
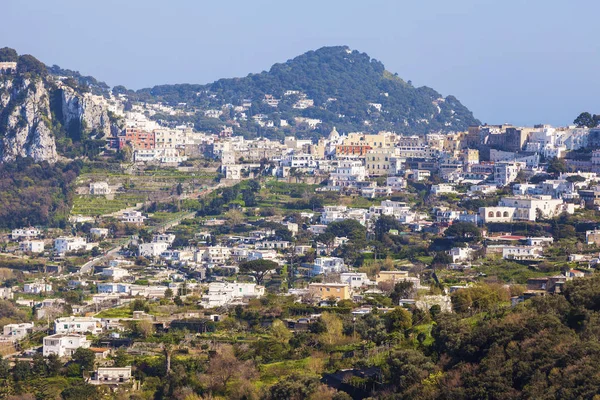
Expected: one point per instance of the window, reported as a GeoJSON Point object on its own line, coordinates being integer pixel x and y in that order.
{"type": "Point", "coordinates": [506, 213]}
{"type": "Point", "coordinates": [498, 214]}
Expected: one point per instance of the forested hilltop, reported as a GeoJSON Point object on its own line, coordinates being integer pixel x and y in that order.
{"type": "Point", "coordinates": [344, 88]}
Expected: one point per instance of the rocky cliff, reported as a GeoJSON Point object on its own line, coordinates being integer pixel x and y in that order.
{"type": "Point", "coordinates": [25, 123]}
{"type": "Point", "coordinates": [35, 111]}
{"type": "Point", "coordinates": [85, 111]}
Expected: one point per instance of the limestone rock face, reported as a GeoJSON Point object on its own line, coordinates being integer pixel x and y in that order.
{"type": "Point", "coordinates": [25, 131]}
{"type": "Point", "coordinates": [85, 111]}
{"type": "Point", "coordinates": [26, 120]}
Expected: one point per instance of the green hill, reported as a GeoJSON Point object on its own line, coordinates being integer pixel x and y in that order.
{"type": "Point", "coordinates": [350, 90]}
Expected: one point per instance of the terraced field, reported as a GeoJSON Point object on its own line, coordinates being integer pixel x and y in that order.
{"type": "Point", "coordinates": [97, 205]}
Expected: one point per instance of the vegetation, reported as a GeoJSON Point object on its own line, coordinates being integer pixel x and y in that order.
{"type": "Point", "coordinates": [342, 84]}
{"type": "Point", "coordinates": [35, 193]}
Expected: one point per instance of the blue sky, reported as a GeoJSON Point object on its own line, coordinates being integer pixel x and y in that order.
{"type": "Point", "coordinates": [523, 62]}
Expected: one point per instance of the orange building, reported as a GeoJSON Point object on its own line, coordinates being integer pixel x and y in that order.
{"type": "Point", "coordinates": [352, 150]}
{"type": "Point", "coordinates": [138, 138]}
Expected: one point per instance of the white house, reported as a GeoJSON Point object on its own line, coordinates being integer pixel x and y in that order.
{"type": "Point", "coordinates": [99, 232]}
{"type": "Point", "coordinates": [213, 254]}
{"type": "Point", "coordinates": [37, 287]}
{"type": "Point", "coordinates": [63, 344]}
{"type": "Point", "coordinates": [521, 252]}
{"type": "Point", "coordinates": [442, 188]}
{"type": "Point", "coordinates": [355, 279]}
{"type": "Point", "coordinates": [163, 238]}
{"type": "Point", "coordinates": [223, 293]}
{"type": "Point", "coordinates": [99, 188]}
{"type": "Point", "coordinates": [17, 331]}
{"type": "Point", "coordinates": [460, 254]}
{"type": "Point", "coordinates": [64, 245]}
{"type": "Point", "coordinates": [133, 217]}
{"type": "Point", "coordinates": [115, 273]}
{"type": "Point", "coordinates": [78, 325]}
{"type": "Point", "coordinates": [153, 249]}
{"type": "Point", "coordinates": [24, 233]}
{"type": "Point", "coordinates": [396, 183]}
{"type": "Point", "coordinates": [33, 246]}
{"type": "Point", "coordinates": [6, 293]}
{"type": "Point", "coordinates": [325, 265]}
{"type": "Point", "coordinates": [111, 376]}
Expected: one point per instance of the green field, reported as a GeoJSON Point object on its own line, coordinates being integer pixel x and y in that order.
{"type": "Point", "coordinates": [98, 205]}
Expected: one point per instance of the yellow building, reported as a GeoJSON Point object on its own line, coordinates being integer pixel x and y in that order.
{"type": "Point", "coordinates": [391, 276]}
{"type": "Point", "coordinates": [379, 161]}
{"type": "Point", "coordinates": [324, 291]}
{"type": "Point", "coordinates": [383, 139]}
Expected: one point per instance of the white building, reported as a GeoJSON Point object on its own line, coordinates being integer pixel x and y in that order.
{"type": "Point", "coordinates": [15, 332]}
{"type": "Point", "coordinates": [63, 344]}
{"type": "Point", "coordinates": [355, 279]}
{"type": "Point", "coordinates": [33, 246]}
{"type": "Point", "coordinates": [223, 293]}
{"type": "Point", "coordinates": [99, 188]}
{"type": "Point", "coordinates": [527, 208]}
{"type": "Point", "coordinates": [163, 238]}
{"type": "Point", "coordinates": [115, 273]}
{"type": "Point", "coordinates": [460, 254]}
{"type": "Point", "coordinates": [213, 254]}
{"type": "Point", "coordinates": [442, 188]}
{"type": "Point", "coordinates": [133, 217]}
{"type": "Point", "coordinates": [326, 265]}
{"type": "Point", "coordinates": [396, 183]}
{"type": "Point", "coordinates": [505, 172]}
{"type": "Point", "coordinates": [64, 245]}
{"type": "Point", "coordinates": [521, 252]}
{"type": "Point", "coordinates": [99, 232]}
{"type": "Point", "coordinates": [6, 293]}
{"type": "Point", "coordinates": [347, 175]}
{"type": "Point", "coordinates": [24, 233]}
{"type": "Point", "coordinates": [111, 376]}
{"type": "Point", "coordinates": [153, 249]}
{"type": "Point", "coordinates": [78, 325]}
{"type": "Point", "coordinates": [37, 287]}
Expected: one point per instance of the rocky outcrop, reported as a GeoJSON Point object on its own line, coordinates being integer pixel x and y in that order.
{"type": "Point", "coordinates": [25, 121]}
{"type": "Point", "coordinates": [85, 111]}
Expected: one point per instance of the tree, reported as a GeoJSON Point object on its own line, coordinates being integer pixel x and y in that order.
{"type": "Point", "coordinates": [169, 293]}
{"type": "Point", "coordinates": [8, 55]}
{"type": "Point", "coordinates": [575, 178]}
{"type": "Point", "coordinates": [224, 366]}
{"type": "Point", "coordinates": [234, 217]}
{"type": "Point", "coordinates": [402, 290]}
{"type": "Point", "coordinates": [54, 365]}
{"type": "Point", "coordinates": [249, 198]}
{"type": "Point", "coordinates": [121, 359]}
{"type": "Point", "coordinates": [258, 269]}
{"type": "Point", "coordinates": [81, 391]}
{"type": "Point", "coordinates": [29, 64]}
{"type": "Point", "coordinates": [463, 231]}
{"type": "Point", "coordinates": [407, 369]}
{"type": "Point", "coordinates": [280, 332]}
{"type": "Point", "coordinates": [333, 328]}
{"type": "Point", "coordinates": [586, 120]}
{"type": "Point", "coordinates": [557, 166]}
{"type": "Point", "coordinates": [254, 185]}
{"type": "Point", "coordinates": [84, 357]}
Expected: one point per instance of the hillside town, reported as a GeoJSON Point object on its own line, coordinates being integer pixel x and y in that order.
{"type": "Point", "coordinates": [142, 257]}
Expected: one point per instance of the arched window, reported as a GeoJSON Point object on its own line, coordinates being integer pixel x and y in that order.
{"type": "Point", "coordinates": [498, 214]}
{"type": "Point", "coordinates": [491, 214]}
{"type": "Point", "coordinates": [506, 213]}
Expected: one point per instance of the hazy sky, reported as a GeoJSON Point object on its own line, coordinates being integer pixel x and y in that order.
{"type": "Point", "coordinates": [518, 61]}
